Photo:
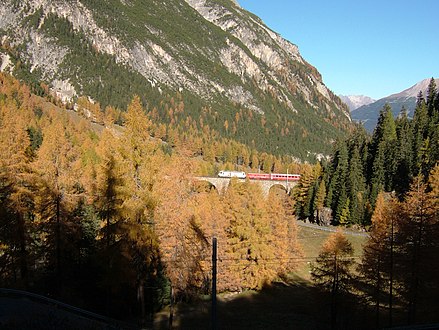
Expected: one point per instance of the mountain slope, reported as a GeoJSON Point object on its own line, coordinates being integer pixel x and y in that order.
{"type": "Point", "coordinates": [368, 114]}
{"type": "Point", "coordinates": [205, 53]}
{"type": "Point", "coordinates": [355, 101]}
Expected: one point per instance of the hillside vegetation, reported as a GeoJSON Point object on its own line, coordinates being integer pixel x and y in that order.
{"type": "Point", "coordinates": [231, 72]}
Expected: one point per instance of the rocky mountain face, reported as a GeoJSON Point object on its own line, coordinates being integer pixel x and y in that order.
{"type": "Point", "coordinates": [368, 114]}
{"type": "Point", "coordinates": [355, 101]}
{"type": "Point", "coordinates": [211, 53]}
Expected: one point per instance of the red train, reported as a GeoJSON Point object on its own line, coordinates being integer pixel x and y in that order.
{"type": "Point", "coordinates": [273, 176]}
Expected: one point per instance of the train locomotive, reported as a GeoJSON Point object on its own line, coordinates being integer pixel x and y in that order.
{"type": "Point", "coordinates": [232, 174]}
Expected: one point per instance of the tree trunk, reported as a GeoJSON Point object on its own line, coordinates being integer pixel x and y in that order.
{"type": "Point", "coordinates": [391, 276]}
{"type": "Point", "coordinates": [58, 243]}
{"type": "Point", "coordinates": [141, 299]}
{"type": "Point", "coordinates": [377, 297]}
{"type": "Point", "coordinates": [23, 252]}
{"type": "Point", "coordinates": [334, 296]}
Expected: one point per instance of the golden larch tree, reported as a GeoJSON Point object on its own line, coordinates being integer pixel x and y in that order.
{"type": "Point", "coordinates": [16, 188]}
{"type": "Point", "coordinates": [332, 270]}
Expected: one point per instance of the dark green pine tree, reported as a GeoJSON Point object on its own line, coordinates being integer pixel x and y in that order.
{"type": "Point", "coordinates": [391, 164]}
{"type": "Point", "coordinates": [385, 129]}
{"type": "Point", "coordinates": [404, 153]}
{"type": "Point", "coordinates": [433, 128]}
{"type": "Point", "coordinates": [308, 207]}
{"type": "Point", "coordinates": [378, 174]}
{"type": "Point", "coordinates": [420, 133]}
{"type": "Point", "coordinates": [361, 140]}
{"type": "Point", "coordinates": [431, 97]}
{"type": "Point", "coordinates": [436, 102]}
{"type": "Point", "coordinates": [384, 137]}
{"type": "Point", "coordinates": [364, 153]}
{"type": "Point", "coordinates": [434, 144]}
{"type": "Point", "coordinates": [337, 193]}
{"type": "Point", "coordinates": [356, 187]}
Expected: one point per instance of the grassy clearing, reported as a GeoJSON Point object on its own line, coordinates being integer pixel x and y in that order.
{"type": "Point", "coordinates": [312, 239]}
{"type": "Point", "coordinates": [291, 304]}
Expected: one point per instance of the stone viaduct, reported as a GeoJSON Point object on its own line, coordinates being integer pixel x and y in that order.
{"type": "Point", "coordinates": [221, 184]}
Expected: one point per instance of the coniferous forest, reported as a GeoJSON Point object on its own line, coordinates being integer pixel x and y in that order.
{"type": "Point", "coordinates": [400, 151]}
{"type": "Point", "coordinates": [100, 208]}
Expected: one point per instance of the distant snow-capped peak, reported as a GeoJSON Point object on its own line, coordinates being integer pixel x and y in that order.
{"type": "Point", "coordinates": [356, 101]}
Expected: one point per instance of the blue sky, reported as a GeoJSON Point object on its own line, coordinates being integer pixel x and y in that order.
{"type": "Point", "coordinates": [369, 47]}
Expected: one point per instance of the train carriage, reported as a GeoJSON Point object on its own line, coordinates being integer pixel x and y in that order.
{"type": "Point", "coordinates": [259, 176]}
{"type": "Point", "coordinates": [273, 176]}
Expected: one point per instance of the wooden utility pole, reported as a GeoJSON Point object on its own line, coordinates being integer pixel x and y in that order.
{"type": "Point", "coordinates": [171, 307]}
{"type": "Point", "coordinates": [214, 257]}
